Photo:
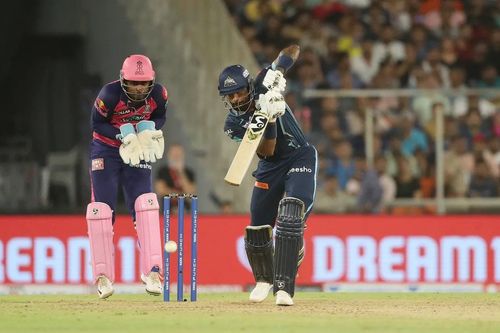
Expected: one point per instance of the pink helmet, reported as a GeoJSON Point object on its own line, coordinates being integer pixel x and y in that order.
{"type": "Point", "coordinates": [137, 67]}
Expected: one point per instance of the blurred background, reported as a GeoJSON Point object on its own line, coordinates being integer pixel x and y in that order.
{"type": "Point", "coordinates": [400, 97]}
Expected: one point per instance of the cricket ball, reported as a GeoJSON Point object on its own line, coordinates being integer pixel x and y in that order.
{"type": "Point", "coordinates": [170, 246]}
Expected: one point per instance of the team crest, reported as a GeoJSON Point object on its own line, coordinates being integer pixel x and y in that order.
{"type": "Point", "coordinates": [97, 164]}
{"type": "Point", "coordinates": [139, 70]}
{"type": "Point", "coordinates": [229, 82]}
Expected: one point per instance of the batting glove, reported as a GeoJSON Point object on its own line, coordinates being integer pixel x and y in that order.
{"type": "Point", "coordinates": [275, 81]}
{"type": "Point", "coordinates": [273, 104]}
{"type": "Point", "coordinates": [130, 149]}
{"type": "Point", "coordinates": [152, 141]}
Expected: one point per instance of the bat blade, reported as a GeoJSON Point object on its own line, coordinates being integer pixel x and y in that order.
{"type": "Point", "coordinates": [247, 148]}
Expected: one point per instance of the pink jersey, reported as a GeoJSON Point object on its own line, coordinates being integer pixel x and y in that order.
{"type": "Point", "coordinates": [112, 109]}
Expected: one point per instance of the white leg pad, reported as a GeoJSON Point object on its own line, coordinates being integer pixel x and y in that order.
{"type": "Point", "coordinates": [100, 230]}
{"type": "Point", "coordinates": [148, 231]}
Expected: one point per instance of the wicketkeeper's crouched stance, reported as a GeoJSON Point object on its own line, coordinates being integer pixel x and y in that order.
{"type": "Point", "coordinates": [285, 178]}
{"type": "Point", "coordinates": [127, 118]}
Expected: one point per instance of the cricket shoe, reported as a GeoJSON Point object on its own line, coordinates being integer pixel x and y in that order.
{"type": "Point", "coordinates": [104, 287]}
{"type": "Point", "coordinates": [283, 298]}
{"type": "Point", "coordinates": [260, 292]}
{"type": "Point", "coordinates": [153, 282]}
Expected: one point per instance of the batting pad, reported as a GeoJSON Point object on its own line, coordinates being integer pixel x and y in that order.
{"type": "Point", "coordinates": [260, 251]}
{"type": "Point", "coordinates": [147, 220]}
{"type": "Point", "coordinates": [100, 230]}
{"type": "Point", "coordinates": [289, 240]}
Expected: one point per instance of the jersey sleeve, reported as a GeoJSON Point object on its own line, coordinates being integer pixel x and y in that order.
{"type": "Point", "coordinates": [234, 129]}
{"type": "Point", "coordinates": [102, 111]}
{"type": "Point", "coordinates": [159, 115]}
{"type": "Point", "coordinates": [259, 87]}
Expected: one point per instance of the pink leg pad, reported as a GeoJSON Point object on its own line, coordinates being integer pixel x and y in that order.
{"type": "Point", "coordinates": [148, 231]}
{"type": "Point", "coordinates": [100, 229]}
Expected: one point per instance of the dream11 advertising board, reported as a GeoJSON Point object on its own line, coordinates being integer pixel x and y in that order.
{"type": "Point", "coordinates": [342, 252]}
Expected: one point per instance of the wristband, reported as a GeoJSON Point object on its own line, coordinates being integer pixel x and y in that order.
{"type": "Point", "coordinates": [145, 125]}
{"type": "Point", "coordinates": [271, 131]}
{"type": "Point", "coordinates": [125, 130]}
{"type": "Point", "coordinates": [284, 61]}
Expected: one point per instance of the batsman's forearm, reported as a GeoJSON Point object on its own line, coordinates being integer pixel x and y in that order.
{"type": "Point", "coordinates": [266, 147]}
{"type": "Point", "coordinates": [293, 51]}
{"type": "Point", "coordinates": [287, 58]}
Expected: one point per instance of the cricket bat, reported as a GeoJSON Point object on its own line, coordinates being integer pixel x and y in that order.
{"type": "Point", "coordinates": [247, 148]}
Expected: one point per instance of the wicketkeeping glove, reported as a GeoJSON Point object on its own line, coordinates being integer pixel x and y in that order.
{"type": "Point", "coordinates": [275, 81]}
{"type": "Point", "coordinates": [151, 140]}
{"type": "Point", "coordinates": [130, 149]}
{"type": "Point", "coordinates": [273, 104]}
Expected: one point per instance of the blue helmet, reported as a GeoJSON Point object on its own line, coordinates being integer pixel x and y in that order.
{"type": "Point", "coordinates": [231, 80]}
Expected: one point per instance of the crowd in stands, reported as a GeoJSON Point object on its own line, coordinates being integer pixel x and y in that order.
{"type": "Point", "coordinates": [438, 45]}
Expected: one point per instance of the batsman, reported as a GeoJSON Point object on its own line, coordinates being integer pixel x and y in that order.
{"type": "Point", "coordinates": [285, 179]}
{"type": "Point", "coordinates": [126, 119]}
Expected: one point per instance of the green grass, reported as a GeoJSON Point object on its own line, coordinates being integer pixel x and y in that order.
{"type": "Point", "coordinates": [231, 312]}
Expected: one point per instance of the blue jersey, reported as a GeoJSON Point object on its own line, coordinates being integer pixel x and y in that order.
{"type": "Point", "coordinates": [289, 134]}
{"type": "Point", "coordinates": [112, 108]}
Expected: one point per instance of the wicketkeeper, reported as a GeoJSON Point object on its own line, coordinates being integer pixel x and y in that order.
{"type": "Point", "coordinates": [127, 118]}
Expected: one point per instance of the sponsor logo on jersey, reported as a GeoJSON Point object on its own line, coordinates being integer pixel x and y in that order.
{"type": "Point", "coordinates": [99, 104]}
{"type": "Point", "coordinates": [132, 119]}
{"type": "Point", "coordinates": [302, 169]}
{"type": "Point", "coordinates": [142, 166]}
{"type": "Point", "coordinates": [123, 112]}
{"type": "Point", "coordinates": [97, 164]}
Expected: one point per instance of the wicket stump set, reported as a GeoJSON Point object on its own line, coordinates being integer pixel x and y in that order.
{"type": "Point", "coordinates": [180, 246]}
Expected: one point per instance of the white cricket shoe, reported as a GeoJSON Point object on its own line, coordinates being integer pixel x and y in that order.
{"type": "Point", "coordinates": [260, 292]}
{"type": "Point", "coordinates": [153, 283]}
{"type": "Point", "coordinates": [104, 287]}
{"type": "Point", "coordinates": [283, 298]}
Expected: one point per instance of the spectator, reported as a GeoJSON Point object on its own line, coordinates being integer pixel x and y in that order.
{"type": "Point", "coordinates": [482, 183]}
{"type": "Point", "coordinates": [334, 77]}
{"type": "Point", "coordinates": [407, 185]}
{"type": "Point", "coordinates": [175, 177]}
{"type": "Point", "coordinates": [394, 152]}
{"type": "Point", "coordinates": [458, 167]}
{"type": "Point", "coordinates": [489, 77]}
{"type": "Point", "coordinates": [387, 183]}
{"type": "Point", "coordinates": [365, 65]}
{"type": "Point", "coordinates": [424, 103]}
{"type": "Point", "coordinates": [388, 47]}
{"type": "Point", "coordinates": [330, 199]}
{"type": "Point", "coordinates": [370, 196]}
{"type": "Point", "coordinates": [432, 64]}
{"type": "Point", "coordinates": [343, 166]}
{"type": "Point", "coordinates": [413, 137]}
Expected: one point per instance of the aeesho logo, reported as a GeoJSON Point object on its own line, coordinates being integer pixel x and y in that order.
{"type": "Point", "coordinates": [302, 169]}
